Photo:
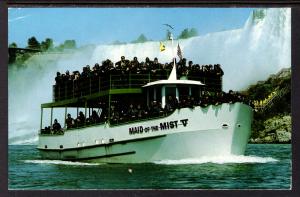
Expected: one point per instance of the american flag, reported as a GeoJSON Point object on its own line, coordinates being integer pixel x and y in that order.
{"type": "Point", "coordinates": [179, 52]}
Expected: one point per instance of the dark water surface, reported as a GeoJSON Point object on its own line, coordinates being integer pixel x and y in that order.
{"type": "Point", "coordinates": [265, 166]}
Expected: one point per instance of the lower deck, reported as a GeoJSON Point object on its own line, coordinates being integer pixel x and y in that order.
{"type": "Point", "coordinates": [187, 133]}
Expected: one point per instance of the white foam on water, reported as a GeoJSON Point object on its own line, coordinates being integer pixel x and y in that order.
{"type": "Point", "coordinates": [59, 162]}
{"type": "Point", "coordinates": [25, 141]}
{"type": "Point", "coordinates": [230, 159]}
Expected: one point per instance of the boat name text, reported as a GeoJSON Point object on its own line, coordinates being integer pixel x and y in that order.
{"type": "Point", "coordinates": [161, 127]}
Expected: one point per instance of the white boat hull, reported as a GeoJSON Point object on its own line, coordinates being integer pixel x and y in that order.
{"type": "Point", "coordinates": [187, 133]}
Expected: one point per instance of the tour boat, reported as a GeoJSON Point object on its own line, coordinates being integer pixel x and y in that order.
{"type": "Point", "coordinates": [213, 130]}
{"type": "Point", "coordinates": [184, 133]}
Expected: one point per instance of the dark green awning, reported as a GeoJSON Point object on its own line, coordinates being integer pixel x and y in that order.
{"type": "Point", "coordinates": [80, 102]}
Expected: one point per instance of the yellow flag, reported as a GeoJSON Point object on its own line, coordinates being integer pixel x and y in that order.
{"type": "Point", "coordinates": [162, 46]}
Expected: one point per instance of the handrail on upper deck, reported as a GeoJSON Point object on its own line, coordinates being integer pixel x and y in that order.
{"type": "Point", "coordinates": [76, 89]}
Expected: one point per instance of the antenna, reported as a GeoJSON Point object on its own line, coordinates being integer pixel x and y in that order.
{"type": "Point", "coordinates": [173, 75]}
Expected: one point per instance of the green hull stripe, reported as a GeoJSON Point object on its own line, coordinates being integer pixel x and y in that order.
{"type": "Point", "coordinates": [101, 156]}
{"type": "Point", "coordinates": [99, 145]}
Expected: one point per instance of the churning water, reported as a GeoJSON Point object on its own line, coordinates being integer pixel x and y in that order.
{"type": "Point", "coordinates": [270, 168]}
{"type": "Point", "coordinates": [262, 47]}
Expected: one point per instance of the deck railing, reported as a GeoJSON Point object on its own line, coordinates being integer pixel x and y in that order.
{"type": "Point", "coordinates": [112, 123]}
{"type": "Point", "coordinates": [95, 84]}
{"type": "Point", "coordinates": [269, 102]}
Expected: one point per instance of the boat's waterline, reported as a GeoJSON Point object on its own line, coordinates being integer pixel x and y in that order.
{"type": "Point", "coordinates": [187, 133]}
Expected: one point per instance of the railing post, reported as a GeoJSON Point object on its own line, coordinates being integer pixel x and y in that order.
{"type": "Point", "coordinates": [65, 116]}
{"type": "Point", "coordinates": [77, 112]}
{"type": "Point", "coordinates": [41, 125]}
{"type": "Point", "coordinates": [129, 79]}
{"type": "Point", "coordinates": [148, 98]}
{"type": "Point", "coordinates": [66, 90]}
{"type": "Point", "coordinates": [90, 85]}
{"type": "Point", "coordinates": [109, 81]}
{"type": "Point", "coordinates": [109, 99]}
{"type": "Point", "coordinates": [59, 92]}
{"type": "Point", "coordinates": [73, 89]}
{"type": "Point", "coordinates": [51, 116]}
{"type": "Point", "coordinates": [99, 84]}
{"type": "Point", "coordinates": [85, 105]}
{"type": "Point", "coordinates": [221, 81]}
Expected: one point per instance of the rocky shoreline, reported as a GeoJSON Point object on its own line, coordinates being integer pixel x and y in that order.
{"type": "Point", "coordinates": [277, 130]}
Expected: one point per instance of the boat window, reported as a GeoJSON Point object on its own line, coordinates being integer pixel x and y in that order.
{"type": "Point", "coordinates": [171, 91]}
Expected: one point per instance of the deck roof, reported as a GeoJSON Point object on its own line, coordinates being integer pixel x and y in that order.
{"type": "Point", "coordinates": [80, 102]}
{"type": "Point", "coordinates": [174, 82]}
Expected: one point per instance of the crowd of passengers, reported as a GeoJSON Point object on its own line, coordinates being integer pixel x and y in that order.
{"type": "Point", "coordinates": [120, 113]}
{"type": "Point", "coordinates": [125, 66]}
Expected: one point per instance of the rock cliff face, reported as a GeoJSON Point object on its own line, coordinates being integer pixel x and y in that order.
{"type": "Point", "coordinates": [272, 119]}
{"type": "Point", "coordinates": [276, 130]}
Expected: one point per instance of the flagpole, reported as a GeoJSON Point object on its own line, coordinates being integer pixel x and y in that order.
{"type": "Point", "coordinates": [173, 75]}
{"type": "Point", "coordinates": [172, 41]}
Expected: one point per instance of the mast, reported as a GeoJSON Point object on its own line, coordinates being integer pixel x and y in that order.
{"type": "Point", "coordinates": [173, 75]}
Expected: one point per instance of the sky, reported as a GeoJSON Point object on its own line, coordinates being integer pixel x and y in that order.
{"type": "Point", "coordinates": [106, 25]}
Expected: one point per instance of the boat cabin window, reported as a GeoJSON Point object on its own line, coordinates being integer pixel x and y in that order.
{"type": "Point", "coordinates": [154, 94]}
{"type": "Point", "coordinates": [171, 91]}
{"type": "Point", "coordinates": [184, 92]}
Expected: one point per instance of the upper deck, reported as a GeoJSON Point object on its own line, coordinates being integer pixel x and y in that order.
{"type": "Point", "coordinates": [118, 82]}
